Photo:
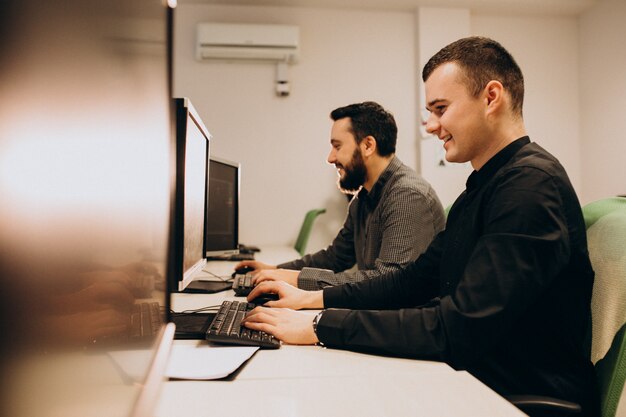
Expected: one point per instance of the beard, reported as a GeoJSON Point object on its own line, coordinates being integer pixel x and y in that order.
{"type": "Point", "coordinates": [354, 175]}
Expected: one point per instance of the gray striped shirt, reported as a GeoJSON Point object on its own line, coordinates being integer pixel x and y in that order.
{"type": "Point", "coordinates": [385, 229]}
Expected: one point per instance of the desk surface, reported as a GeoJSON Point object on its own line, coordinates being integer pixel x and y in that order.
{"type": "Point", "coordinates": [316, 381]}
{"type": "Point", "coordinates": [430, 394]}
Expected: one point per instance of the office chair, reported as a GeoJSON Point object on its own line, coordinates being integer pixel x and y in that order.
{"type": "Point", "coordinates": [606, 236]}
{"type": "Point", "coordinates": [305, 230]}
{"type": "Point", "coordinates": [593, 211]}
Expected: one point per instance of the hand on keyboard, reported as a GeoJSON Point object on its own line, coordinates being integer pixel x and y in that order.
{"type": "Point", "coordinates": [264, 299]}
{"type": "Point", "coordinates": [293, 327]}
{"type": "Point", "coordinates": [288, 295]}
{"type": "Point", "coordinates": [245, 276]}
{"type": "Point", "coordinates": [255, 265]}
{"type": "Point", "coordinates": [287, 275]}
{"type": "Point", "coordinates": [226, 327]}
{"type": "Point", "coordinates": [242, 284]}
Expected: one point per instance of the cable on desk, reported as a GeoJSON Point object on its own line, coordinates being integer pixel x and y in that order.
{"type": "Point", "coordinates": [198, 310]}
{"type": "Point", "coordinates": [227, 278]}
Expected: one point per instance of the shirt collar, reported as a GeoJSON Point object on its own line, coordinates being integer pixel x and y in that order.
{"type": "Point", "coordinates": [478, 178]}
{"type": "Point", "coordinates": [373, 196]}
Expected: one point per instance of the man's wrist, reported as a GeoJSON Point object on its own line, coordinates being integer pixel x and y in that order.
{"type": "Point", "coordinates": [314, 299]}
{"type": "Point", "coordinates": [290, 277]}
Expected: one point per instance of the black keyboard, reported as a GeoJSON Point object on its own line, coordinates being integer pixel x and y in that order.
{"type": "Point", "coordinates": [226, 327]}
{"type": "Point", "coordinates": [242, 284]}
{"type": "Point", "coordinates": [145, 321]}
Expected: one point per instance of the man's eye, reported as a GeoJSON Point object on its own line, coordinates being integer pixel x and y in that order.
{"type": "Point", "coordinates": [441, 110]}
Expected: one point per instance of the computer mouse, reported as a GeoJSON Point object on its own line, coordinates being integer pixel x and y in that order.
{"type": "Point", "coordinates": [242, 271]}
{"type": "Point", "coordinates": [264, 298]}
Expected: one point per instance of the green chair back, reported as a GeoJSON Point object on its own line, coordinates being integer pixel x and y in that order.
{"type": "Point", "coordinates": [593, 211]}
{"type": "Point", "coordinates": [606, 235]}
{"type": "Point", "coordinates": [305, 230]}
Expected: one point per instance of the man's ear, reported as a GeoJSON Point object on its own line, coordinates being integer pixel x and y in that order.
{"type": "Point", "coordinates": [368, 146]}
{"type": "Point", "coordinates": [494, 96]}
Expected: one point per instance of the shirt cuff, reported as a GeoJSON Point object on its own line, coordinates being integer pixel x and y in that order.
{"type": "Point", "coordinates": [310, 279]}
{"type": "Point", "coordinates": [329, 329]}
{"type": "Point", "coordinates": [332, 296]}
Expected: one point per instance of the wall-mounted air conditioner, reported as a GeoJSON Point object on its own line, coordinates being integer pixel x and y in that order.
{"type": "Point", "coordinates": [247, 41]}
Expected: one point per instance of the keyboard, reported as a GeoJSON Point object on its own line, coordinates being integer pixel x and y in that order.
{"type": "Point", "coordinates": [226, 327]}
{"type": "Point", "coordinates": [145, 321]}
{"type": "Point", "coordinates": [242, 284]}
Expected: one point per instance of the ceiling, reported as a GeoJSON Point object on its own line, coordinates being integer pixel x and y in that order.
{"type": "Point", "coordinates": [534, 7]}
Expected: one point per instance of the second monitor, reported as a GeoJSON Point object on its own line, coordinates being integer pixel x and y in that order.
{"type": "Point", "coordinates": [221, 236]}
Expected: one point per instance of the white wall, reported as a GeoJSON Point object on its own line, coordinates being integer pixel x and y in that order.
{"type": "Point", "coordinates": [546, 49]}
{"type": "Point", "coordinates": [282, 143]}
{"type": "Point", "coordinates": [573, 107]}
{"type": "Point", "coordinates": [603, 99]}
{"type": "Point", "coordinates": [448, 179]}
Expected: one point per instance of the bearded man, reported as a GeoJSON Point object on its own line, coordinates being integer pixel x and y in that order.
{"type": "Point", "coordinates": [392, 218]}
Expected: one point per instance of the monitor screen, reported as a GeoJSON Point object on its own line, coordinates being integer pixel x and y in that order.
{"type": "Point", "coordinates": [86, 185]}
{"type": "Point", "coordinates": [222, 220]}
{"type": "Point", "coordinates": [192, 168]}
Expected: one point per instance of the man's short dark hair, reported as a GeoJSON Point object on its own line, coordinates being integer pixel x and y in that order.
{"type": "Point", "coordinates": [370, 119]}
{"type": "Point", "coordinates": [482, 60]}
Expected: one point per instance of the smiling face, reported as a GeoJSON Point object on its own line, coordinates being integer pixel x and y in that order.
{"type": "Point", "coordinates": [456, 117]}
{"type": "Point", "coordinates": [346, 155]}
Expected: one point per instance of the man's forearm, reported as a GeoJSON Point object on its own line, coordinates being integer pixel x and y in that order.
{"type": "Point", "coordinates": [313, 300]}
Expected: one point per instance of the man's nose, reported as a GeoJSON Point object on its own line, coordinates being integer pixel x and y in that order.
{"type": "Point", "coordinates": [432, 124]}
{"type": "Point", "coordinates": [332, 157]}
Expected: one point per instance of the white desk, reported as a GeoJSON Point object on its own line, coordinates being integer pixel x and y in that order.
{"type": "Point", "coordinates": [429, 394]}
{"type": "Point", "coordinates": [314, 381]}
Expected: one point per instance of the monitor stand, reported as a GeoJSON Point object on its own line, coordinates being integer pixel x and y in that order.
{"type": "Point", "coordinates": [207, 287]}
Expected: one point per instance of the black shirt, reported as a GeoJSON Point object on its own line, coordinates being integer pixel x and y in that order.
{"type": "Point", "coordinates": [504, 292]}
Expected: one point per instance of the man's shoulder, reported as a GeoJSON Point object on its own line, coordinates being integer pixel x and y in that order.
{"type": "Point", "coordinates": [406, 178]}
{"type": "Point", "coordinates": [533, 168]}
{"type": "Point", "coordinates": [534, 158]}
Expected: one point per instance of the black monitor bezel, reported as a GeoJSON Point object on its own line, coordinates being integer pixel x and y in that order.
{"type": "Point", "coordinates": [229, 251]}
{"type": "Point", "coordinates": [179, 279]}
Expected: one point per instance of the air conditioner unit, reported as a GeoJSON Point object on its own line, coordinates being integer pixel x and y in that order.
{"type": "Point", "coordinates": [247, 41]}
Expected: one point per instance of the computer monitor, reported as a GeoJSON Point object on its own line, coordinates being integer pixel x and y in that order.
{"type": "Point", "coordinates": [85, 180]}
{"type": "Point", "coordinates": [222, 219]}
{"type": "Point", "coordinates": [192, 170]}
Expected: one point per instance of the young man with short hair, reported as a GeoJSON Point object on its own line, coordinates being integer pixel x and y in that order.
{"type": "Point", "coordinates": [504, 292]}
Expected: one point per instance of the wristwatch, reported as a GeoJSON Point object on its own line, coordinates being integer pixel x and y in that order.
{"type": "Point", "coordinates": [316, 320]}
